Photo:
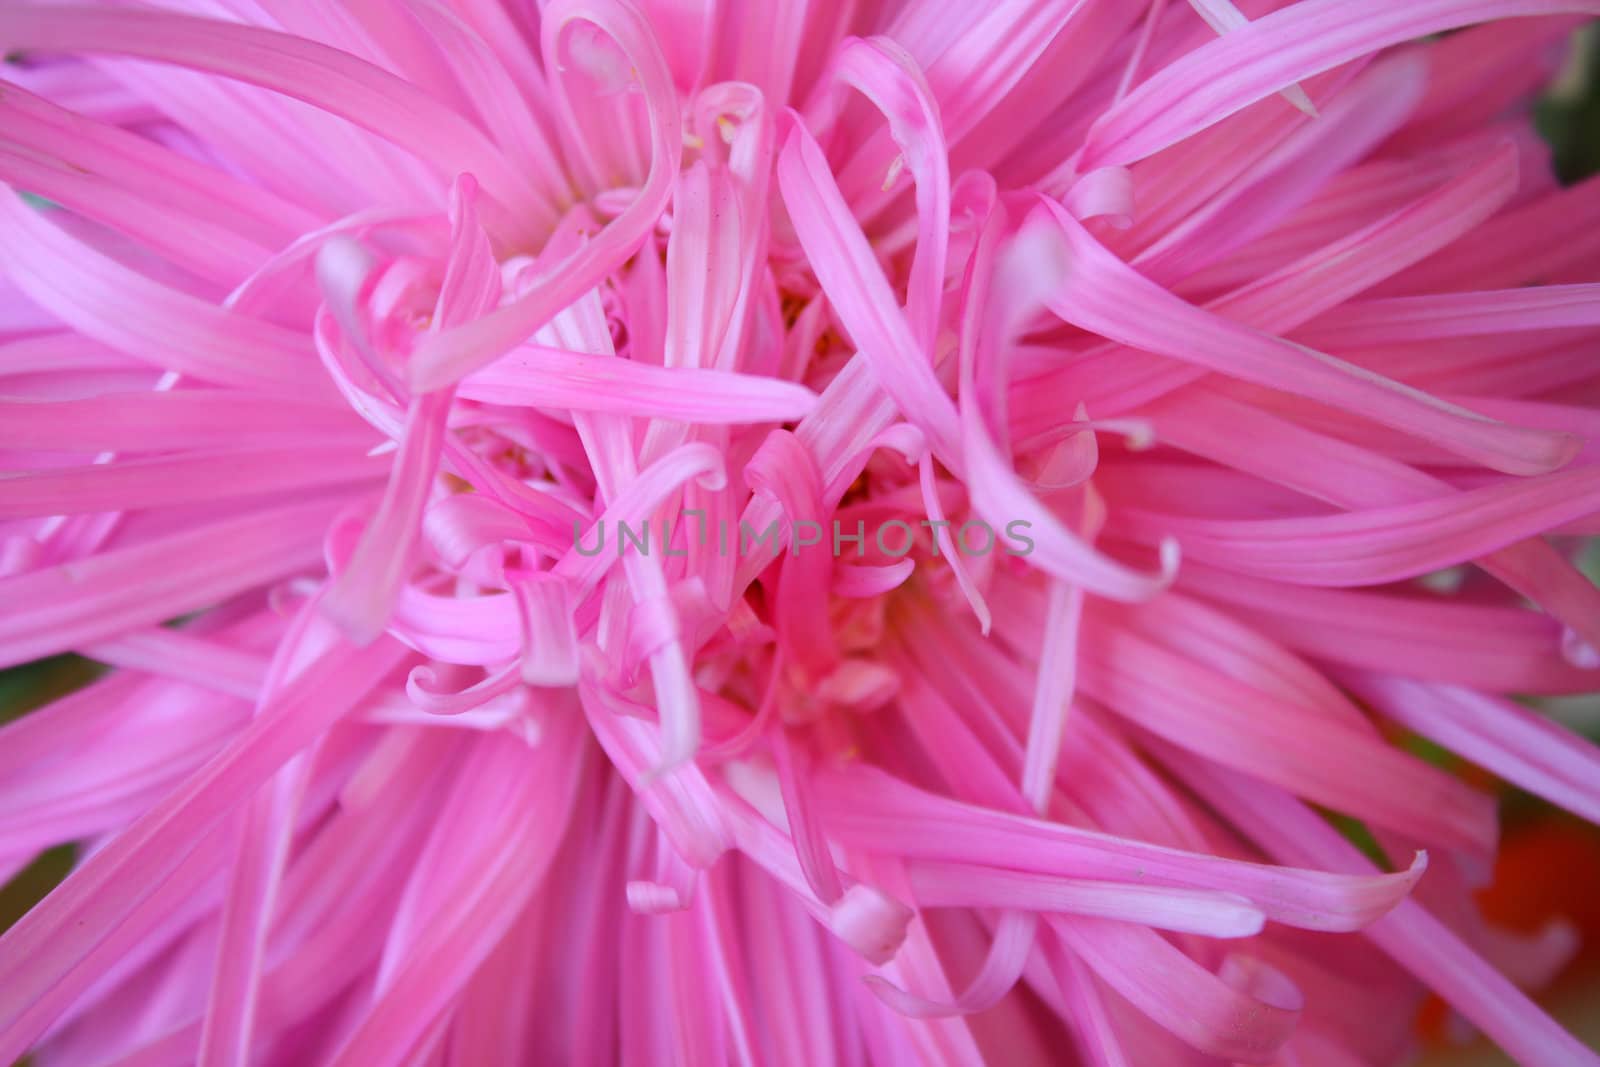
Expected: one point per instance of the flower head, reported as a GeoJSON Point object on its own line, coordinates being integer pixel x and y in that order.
{"type": "Point", "coordinates": [742, 532]}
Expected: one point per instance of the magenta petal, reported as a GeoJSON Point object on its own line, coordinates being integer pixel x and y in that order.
{"type": "Point", "coordinates": [856, 533]}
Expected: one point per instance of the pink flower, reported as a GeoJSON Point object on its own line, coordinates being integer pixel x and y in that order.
{"type": "Point", "coordinates": [674, 514]}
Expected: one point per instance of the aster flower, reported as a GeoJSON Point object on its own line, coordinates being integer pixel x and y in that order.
{"type": "Point", "coordinates": [832, 533]}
